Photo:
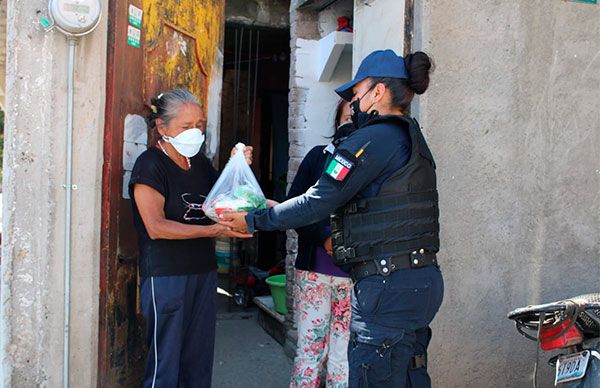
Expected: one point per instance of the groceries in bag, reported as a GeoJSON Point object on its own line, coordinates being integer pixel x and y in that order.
{"type": "Point", "coordinates": [236, 189]}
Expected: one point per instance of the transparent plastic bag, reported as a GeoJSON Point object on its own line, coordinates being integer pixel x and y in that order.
{"type": "Point", "coordinates": [236, 189]}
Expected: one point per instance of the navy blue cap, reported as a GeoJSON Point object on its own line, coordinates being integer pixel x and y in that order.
{"type": "Point", "coordinates": [381, 63]}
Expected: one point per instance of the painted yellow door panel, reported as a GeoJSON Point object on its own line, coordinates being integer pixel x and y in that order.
{"type": "Point", "coordinates": [182, 39]}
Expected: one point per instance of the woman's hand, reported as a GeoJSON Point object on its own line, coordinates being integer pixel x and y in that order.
{"type": "Point", "coordinates": [225, 231]}
{"type": "Point", "coordinates": [235, 221]}
{"type": "Point", "coordinates": [248, 150]}
{"type": "Point", "coordinates": [150, 204]}
{"type": "Point", "coordinates": [328, 246]}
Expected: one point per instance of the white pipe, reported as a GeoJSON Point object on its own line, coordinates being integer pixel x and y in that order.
{"type": "Point", "coordinates": [68, 206]}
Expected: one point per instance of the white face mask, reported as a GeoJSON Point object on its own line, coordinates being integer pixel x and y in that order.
{"type": "Point", "coordinates": [188, 142]}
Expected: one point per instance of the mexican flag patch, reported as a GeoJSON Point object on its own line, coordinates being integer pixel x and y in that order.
{"type": "Point", "coordinates": [339, 168]}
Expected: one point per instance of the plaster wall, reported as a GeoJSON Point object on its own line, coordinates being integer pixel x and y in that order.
{"type": "Point", "coordinates": [31, 284]}
{"type": "Point", "coordinates": [328, 17]}
{"type": "Point", "coordinates": [378, 25]}
{"type": "Point", "coordinates": [2, 51]}
{"type": "Point", "coordinates": [512, 117]}
{"type": "Point", "coordinates": [315, 124]}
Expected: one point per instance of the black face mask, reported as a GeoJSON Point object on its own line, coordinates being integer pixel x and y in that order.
{"type": "Point", "coordinates": [342, 132]}
{"type": "Point", "coordinates": [360, 118]}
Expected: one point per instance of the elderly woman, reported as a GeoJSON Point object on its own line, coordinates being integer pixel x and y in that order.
{"type": "Point", "coordinates": [177, 263]}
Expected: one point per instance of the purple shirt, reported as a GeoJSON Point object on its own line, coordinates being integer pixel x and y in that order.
{"type": "Point", "coordinates": [324, 264]}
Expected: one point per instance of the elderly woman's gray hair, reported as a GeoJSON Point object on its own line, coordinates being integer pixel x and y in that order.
{"type": "Point", "coordinates": [165, 105]}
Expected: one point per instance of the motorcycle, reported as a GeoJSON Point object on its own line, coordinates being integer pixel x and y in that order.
{"type": "Point", "coordinates": [571, 325]}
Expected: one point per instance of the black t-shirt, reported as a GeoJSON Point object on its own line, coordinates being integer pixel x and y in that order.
{"type": "Point", "coordinates": [184, 192]}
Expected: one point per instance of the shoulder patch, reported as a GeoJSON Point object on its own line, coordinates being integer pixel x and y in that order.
{"type": "Point", "coordinates": [340, 167]}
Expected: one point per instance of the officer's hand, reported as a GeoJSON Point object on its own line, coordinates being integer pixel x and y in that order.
{"type": "Point", "coordinates": [271, 203]}
{"type": "Point", "coordinates": [328, 245]}
{"type": "Point", "coordinates": [234, 220]}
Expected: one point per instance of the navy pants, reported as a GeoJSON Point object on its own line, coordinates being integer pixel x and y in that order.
{"type": "Point", "coordinates": [390, 325]}
{"type": "Point", "coordinates": [180, 314]}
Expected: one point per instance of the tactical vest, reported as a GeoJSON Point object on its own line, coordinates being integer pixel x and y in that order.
{"type": "Point", "coordinates": [402, 218]}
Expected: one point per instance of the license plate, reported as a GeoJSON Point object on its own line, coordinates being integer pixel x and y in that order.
{"type": "Point", "coordinates": [571, 367]}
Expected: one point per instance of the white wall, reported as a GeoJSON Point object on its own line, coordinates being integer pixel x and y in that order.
{"type": "Point", "coordinates": [319, 111]}
{"type": "Point", "coordinates": [31, 284]}
{"type": "Point", "coordinates": [378, 25]}
{"type": "Point", "coordinates": [313, 121]}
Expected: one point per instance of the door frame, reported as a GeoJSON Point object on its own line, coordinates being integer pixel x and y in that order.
{"type": "Point", "coordinates": [121, 339]}
{"type": "Point", "coordinates": [118, 104]}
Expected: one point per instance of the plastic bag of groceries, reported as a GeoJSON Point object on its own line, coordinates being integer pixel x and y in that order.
{"type": "Point", "coordinates": [236, 189]}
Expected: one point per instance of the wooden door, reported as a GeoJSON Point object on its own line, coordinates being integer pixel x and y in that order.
{"type": "Point", "coordinates": [179, 45]}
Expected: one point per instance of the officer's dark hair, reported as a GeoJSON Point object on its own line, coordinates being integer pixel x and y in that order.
{"type": "Point", "coordinates": [165, 105]}
{"type": "Point", "coordinates": [418, 65]}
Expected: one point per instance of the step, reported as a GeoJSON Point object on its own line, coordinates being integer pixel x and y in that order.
{"type": "Point", "coordinates": [269, 319]}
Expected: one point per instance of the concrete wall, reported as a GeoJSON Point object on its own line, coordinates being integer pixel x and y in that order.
{"type": "Point", "coordinates": [513, 118]}
{"type": "Point", "coordinates": [2, 51]}
{"type": "Point", "coordinates": [31, 310]}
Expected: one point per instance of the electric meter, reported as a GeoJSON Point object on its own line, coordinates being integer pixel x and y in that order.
{"type": "Point", "coordinates": [75, 17]}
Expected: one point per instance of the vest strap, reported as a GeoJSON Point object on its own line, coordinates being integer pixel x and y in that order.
{"type": "Point", "coordinates": [376, 203]}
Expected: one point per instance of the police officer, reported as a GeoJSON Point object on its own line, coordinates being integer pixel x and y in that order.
{"type": "Point", "coordinates": [380, 188]}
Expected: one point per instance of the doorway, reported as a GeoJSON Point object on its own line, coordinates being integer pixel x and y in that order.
{"type": "Point", "coordinates": [175, 45]}
{"type": "Point", "coordinates": [258, 79]}
{"type": "Point", "coordinates": [254, 110]}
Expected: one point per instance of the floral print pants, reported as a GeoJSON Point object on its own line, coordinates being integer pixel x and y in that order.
{"type": "Point", "coordinates": [323, 316]}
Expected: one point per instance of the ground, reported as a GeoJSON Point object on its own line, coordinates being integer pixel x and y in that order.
{"type": "Point", "coordinates": [245, 355]}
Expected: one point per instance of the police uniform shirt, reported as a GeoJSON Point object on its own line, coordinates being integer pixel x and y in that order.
{"type": "Point", "coordinates": [359, 166]}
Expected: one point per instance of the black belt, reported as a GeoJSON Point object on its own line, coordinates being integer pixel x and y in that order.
{"type": "Point", "coordinates": [385, 267]}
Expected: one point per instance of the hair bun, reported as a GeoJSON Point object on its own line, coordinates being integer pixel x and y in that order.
{"type": "Point", "coordinates": [419, 66]}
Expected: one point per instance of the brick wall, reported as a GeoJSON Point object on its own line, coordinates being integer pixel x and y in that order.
{"type": "Point", "coordinates": [303, 25]}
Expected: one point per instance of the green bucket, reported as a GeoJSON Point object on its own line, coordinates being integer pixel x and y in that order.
{"type": "Point", "coordinates": [278, 292]}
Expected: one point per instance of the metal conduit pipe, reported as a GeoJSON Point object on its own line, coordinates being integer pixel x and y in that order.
{"type": "Point", "coordinates": [73, 20]}
{"type": "Point", "coordinates": [69, 187]}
